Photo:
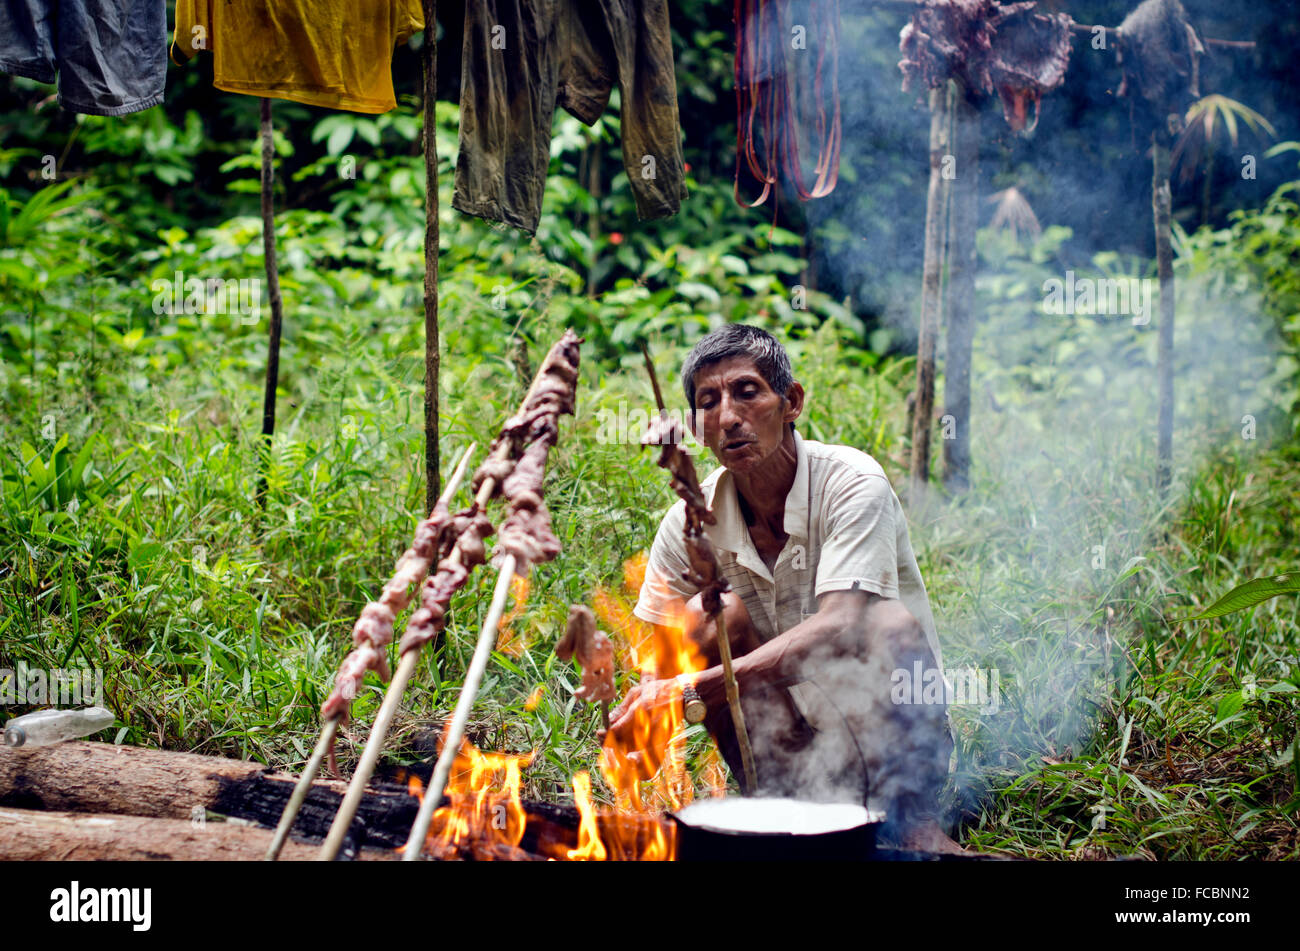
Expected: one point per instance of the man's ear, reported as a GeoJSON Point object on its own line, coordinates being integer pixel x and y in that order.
{"type": "Point", "coordinates": [794, 399]}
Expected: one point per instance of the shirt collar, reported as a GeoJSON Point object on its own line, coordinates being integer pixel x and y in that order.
{"type": "Point", "coordinates": [731, 533]}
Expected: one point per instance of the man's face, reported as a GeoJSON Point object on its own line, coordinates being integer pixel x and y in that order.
{"type": "Point", "coordinates": [738, 416]}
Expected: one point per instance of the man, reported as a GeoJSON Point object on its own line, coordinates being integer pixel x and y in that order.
{"type": "Point", "coordinates": [827, 600]}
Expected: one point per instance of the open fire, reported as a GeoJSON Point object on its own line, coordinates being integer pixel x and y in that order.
{"type": "Point", "coordinates": [650, 775]}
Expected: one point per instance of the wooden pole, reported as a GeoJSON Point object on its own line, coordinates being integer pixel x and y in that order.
{"type": "Point", "coordinates": [1161, 201]}
{"type": "Point", "coordinates": [737, 712]}
{"type": "Point", "coordinates": [961, 284]}
{"type": "Point", "coordinates": [432, 357]}
{"type": "Point", "coordinates": [930, 287]}
{"type": "Point", "coordinates": [464, 704]}
{"type": "Point", "coordinates": [273, 292]}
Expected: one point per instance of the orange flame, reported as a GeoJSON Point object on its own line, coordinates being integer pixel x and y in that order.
{"type": "Point", "coordinates": [590, 848]}
{"type": "Point", "coordinates": [510, 642]}
{"type": "Point", "coordinates": [647, 773]}
{"type": "Point", "coordinates": [486, 808]}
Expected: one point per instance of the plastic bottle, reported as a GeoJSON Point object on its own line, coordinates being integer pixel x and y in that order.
{"type": "Point", "coordinates": [54, 726]}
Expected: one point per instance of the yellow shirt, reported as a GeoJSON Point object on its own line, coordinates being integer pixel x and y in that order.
{"type": "Point", "coordinates": [333, 53]}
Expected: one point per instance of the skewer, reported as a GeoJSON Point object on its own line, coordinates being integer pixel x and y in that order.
{"type": "Point", "coordinates": [724, 644]}
{"type": "Point", "coordinates": [331, 728]}
{"type": "Point", "coordinates": [464, 704]}
{"type": "Point", "coordinates": [300, 791]}
{"type": "Point", "coordinates": [733, 701]}
{"type": "Point", "coordinates": [379, 731]}
{"type": "Point", "coordinates": [504, 453]}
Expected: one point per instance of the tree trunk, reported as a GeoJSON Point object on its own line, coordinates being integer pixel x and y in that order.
{"type": "Point", "coordinates": [962, 265]}
{"type": "Point", "coordinates": [26, 835]}
{"type": "Point", "coordinates": [930, 288]}
{"type": "Point", "coordinates": [432, 474]}
{"type": "Point", "coordinates": [592, 156]}
{"type": "Point", "coordinates": [273, 292]}
{"type": "Point", "coordinates": [1161, 200]}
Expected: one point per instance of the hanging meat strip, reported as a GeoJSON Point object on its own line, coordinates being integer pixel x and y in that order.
{"type": "Point", "coordinates": [986, 45]}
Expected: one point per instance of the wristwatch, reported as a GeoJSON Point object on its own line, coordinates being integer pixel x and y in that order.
{"type": "Point", "coordinates": [693, 707]}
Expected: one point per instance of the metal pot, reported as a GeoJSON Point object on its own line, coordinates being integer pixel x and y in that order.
{"type": "Point", "coordinates": [744, 830]}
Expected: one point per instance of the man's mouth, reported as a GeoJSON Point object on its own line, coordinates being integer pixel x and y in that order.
{"type": "Point", "coordinates": [734, 444]}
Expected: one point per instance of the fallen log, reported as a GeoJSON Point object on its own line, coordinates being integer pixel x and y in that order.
{"type": "Point", "coordinates": [100, 778]}
{"type": "Point", "coordinates": [28, 835]}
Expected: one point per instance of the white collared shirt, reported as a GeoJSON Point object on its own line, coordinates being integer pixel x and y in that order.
{"type": "Point", "coordinates": [846, 531]}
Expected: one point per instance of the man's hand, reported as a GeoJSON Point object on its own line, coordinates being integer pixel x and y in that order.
{"type": "Point", "coordinates": [641, 726]}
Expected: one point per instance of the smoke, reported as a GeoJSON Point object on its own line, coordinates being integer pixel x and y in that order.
{"type": "Point", "coordinates": [1041, 572]}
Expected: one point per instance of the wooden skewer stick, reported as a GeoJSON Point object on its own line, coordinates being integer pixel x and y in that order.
{"type": "Point", "coordinates": [654, 377]}
{"type": "Point", "coordinates": [331, 728]}
{"type": "Point", "coordinates": [300, 791]}
{"type": "Point", "coordinates": [733, 701]}
{"type": "Point", "coordinates": [379, 730]}
{"type": "Point", "coordinates": [724, 644]}
{"type": "Point", "coordinates": [348, 808]}
{"type": "Point", "coordinates": [464, 704]}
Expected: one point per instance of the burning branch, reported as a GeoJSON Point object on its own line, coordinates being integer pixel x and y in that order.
{"type": "Point", "coordinates": [703, 572]}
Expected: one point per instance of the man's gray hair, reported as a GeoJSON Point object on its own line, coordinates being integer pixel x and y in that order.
{"type": "Point", "coordinates": [739, 340]}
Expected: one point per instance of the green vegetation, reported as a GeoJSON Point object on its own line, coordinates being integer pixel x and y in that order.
{"type": "Point", "coordinates": [130, 539]}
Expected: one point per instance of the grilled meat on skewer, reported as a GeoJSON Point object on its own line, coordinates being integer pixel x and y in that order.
{"type": "Point", "coordinates": [594, 653]}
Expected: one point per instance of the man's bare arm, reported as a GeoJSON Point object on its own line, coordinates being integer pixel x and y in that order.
{"type": "Point", "coordinates": [847, 623]}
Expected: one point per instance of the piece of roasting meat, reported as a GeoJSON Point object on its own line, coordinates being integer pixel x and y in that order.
{"type": "Point", "coordinates": [516, 464]}
{"type": "Point", "coordinates": [526, 531]}
{"type": "Point", "coordinates": [594, 652]}
{"type": "Point", "coordinates": [374, 629]}
{"type": "Point", "coordinates": [668, 434]}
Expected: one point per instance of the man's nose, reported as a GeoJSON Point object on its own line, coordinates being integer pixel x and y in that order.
{"type": "Point", "coordinates": [728, 417]}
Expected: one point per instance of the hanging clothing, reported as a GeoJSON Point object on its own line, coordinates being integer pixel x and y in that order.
{"type": "Point", "coordinates": [332, 53]}
{"type": "Point", "coordinates": [522, 58]}
{"type": "Point", "coordinates": [107, 56]}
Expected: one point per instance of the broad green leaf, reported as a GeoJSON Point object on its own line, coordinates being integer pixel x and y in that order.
{"type": "Point", "coordinates": [1250, 594]}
